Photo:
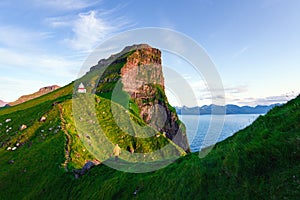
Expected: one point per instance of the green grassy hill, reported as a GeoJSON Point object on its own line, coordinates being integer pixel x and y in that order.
{"type": "Point", "coordinates": [45, 150]}
{"type": "Point", "coordinates": [38, 157]}
{"type": "Point", "coordinates": [260, 162]}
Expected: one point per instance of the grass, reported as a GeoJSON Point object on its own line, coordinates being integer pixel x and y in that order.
{"type": "Point", "coordinates": [60, 101]}
{"type": "Point", "coordinates": [113, 124]}
{"type": "Point", "coordinates": [36, 163]}
{"type": "Point", "coordinates": [260, 162]}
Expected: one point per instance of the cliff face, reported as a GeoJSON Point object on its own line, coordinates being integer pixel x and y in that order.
{"type": "Point", "coordinates": [143, 67]}
{"type": "Point", "coordinates": [48, 89]}
{"type": "Point", "coordinates": [140, 72]}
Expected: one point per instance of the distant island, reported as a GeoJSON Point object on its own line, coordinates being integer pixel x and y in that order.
{"type": "Point", "coordinates": [230, 109]}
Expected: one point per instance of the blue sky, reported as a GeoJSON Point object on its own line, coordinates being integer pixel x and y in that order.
{"type": "Point", "coordinates": [254, 44]}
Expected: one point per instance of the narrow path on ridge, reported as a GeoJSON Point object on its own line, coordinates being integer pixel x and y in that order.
{"type": "Point", "coordinates": [68, 138]}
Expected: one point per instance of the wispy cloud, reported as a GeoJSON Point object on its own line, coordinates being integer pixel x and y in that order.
{"type": "Point", "coordinates": [65, 4]}
{"type": "Point", "coordinates": [236, 90]}
{"type": "Point", "coordinates": [240, 52]}
{"type": "Point", "coordinates": [61, 21]}
{"type": "Point", "coordinates": [12, 36]}
{"type": "Point", "coordinates": [72, 29]}
{"type": "Point", "coordinates": [88, 31]}
{"type": "Point", "coordinates": [283, 98]}
{"type": "Point", "coordinates": [89, 28]}
{"type": "Point", "coordinates": [204, 94]}
{"type": "Point", "coordinates": [24, 73]}
{"type": "Point", "coordinates": [46, 65]}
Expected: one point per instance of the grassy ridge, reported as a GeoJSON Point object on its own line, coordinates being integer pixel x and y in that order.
{"type": "Point", "coordinates": [35, 164]}
{"type": "Point", "coordinates": [260, 162]}
{"type": "Point", "coordinates": [57, 95]}
{"type": "Point", "coordinates": [40, 156]}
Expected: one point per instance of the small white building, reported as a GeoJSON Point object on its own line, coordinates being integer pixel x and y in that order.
{"type": "Point", "coordinates": [81, 88]}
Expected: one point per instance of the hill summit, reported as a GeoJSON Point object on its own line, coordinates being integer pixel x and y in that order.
{"type": "Point", "coordinates": [137, 70]}
{"type": "Point", "coordinates": [42, 91]}
{"type": "Point", "coordinates": [124, 103]}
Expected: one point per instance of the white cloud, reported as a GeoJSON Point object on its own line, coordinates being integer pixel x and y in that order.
{"type": "Point", "coordinates": [283, 98]}
{"type": "Point", "coordinates": [23, 53]}
{"type": "Point", "coordinates": [56, 22]}
{"type": "Point", "coordinates": [23, 73]}
{"type": "Point", "coordinates": [65, 4]}
{"type": "Point", "coordinates": [12, 36]}
{"type": "Point", "coordinates": [240, 52]}
{"type": "Point", "coordinates": [88, 31]}
{"type": "Point", "coordinates": [236, 89]}
{"type": "Point", "coordinates": [204, 96]}
{"type": "Point", "coordinates": [44, 64]}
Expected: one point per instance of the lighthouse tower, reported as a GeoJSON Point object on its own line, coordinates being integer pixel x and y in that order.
{"type": "Point", "coordinates": [81, 88]}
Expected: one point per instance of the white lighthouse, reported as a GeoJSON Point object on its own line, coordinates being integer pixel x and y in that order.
{"type": "Point", "coordinates": [81, 88]}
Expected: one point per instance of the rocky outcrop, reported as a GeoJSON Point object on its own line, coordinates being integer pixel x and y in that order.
{"type": "Point", "coordinates": [80, 172]}
{"type": "Point", "coordinates": [106, 62]}
{"type": "Point", "coordinates": [48, 89]}
{"type": "Point", "coordinates": [142, 78]}
{"type": "Point", "coordinates": [42, 91]}
{"type": "Point", "coordinates": [143, 67]}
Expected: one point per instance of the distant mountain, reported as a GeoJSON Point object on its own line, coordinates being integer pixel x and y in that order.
{"type": "Point", "coordinates": [42, 91]}
{"type": "Point", "coordinates": [2, 103]}
{"type": "Point", "coordinates": [230, 109]}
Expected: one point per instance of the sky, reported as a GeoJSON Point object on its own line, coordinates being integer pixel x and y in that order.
{"type": "Point", "coordinates": [254, 44]}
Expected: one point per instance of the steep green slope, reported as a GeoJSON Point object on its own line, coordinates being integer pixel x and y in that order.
{"type": "Point", "coordinates": [32, 158]}
{"type": "Point", "coordinates": [29, 114]}
{"type": "Point", "coordinates": [37, 161]}
{"type": "Point", "coordinates": [55, 96]}
{"type": "Point", "coordinates": [259, 162]}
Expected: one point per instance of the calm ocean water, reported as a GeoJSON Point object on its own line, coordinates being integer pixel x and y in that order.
{"type": "Point", "coordinates": [206, 130]}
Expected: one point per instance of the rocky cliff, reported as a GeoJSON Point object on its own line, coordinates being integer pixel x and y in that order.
{"type": "Point", "coordinates": [138, 70]}
{"type": "Point", "coordinates": [42, 91]}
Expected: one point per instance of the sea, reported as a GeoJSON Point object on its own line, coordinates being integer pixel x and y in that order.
{"type": "Point", "coordinates": [207, 130]}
